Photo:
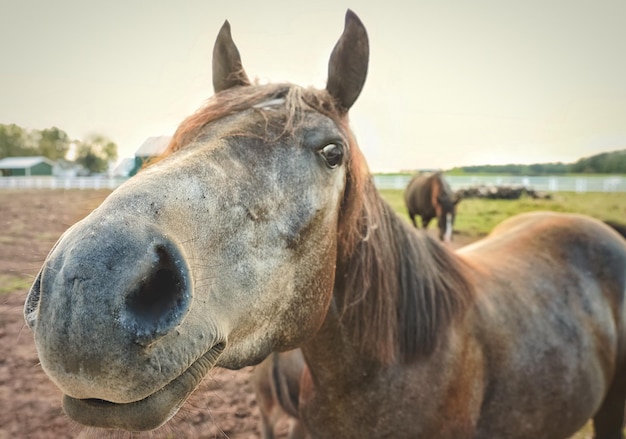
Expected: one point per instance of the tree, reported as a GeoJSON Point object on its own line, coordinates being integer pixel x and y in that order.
{"type": "Point", "coordinates": [15, 141]}
{"type": "Point", "coordinates": [96, 153]}
{"type": "Point", "coordinates": [53, 143]}
{"type": "Point", "coordinates": [604, 163]}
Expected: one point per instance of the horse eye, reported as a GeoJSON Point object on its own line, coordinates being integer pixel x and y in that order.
{"type": "Point", "coordinates": [332, 154]}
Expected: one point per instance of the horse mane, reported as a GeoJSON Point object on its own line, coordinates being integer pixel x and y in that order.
{"type": "Point", "coordinates": [400, 288]}
{"type": "Point", "coordinates": [239, 99]}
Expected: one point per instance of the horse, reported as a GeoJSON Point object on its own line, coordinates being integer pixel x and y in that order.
{"type": "Point", "coordinates": [276, 384]}
{"type": "Point", "coordinates": [261, 230]}
{"type": "Point", "coordinates": [429, 196]}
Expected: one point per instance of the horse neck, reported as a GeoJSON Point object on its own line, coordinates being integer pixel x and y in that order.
{"type": "Point", "coordinates": [396, 293]}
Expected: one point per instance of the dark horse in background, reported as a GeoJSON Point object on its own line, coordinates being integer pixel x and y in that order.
{"type": "Point", "coordinates": [261, 230]}
{"type": "Point", "coordinates": [429, 196]}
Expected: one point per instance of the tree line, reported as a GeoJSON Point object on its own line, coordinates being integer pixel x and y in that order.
{"type": "Point", "coordinates": [93, 153]}
{"type": "Point", "coordinates": [605, 163]}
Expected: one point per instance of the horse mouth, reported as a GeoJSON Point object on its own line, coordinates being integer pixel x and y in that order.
{"type": "Point", "coordinates": [148, 413]}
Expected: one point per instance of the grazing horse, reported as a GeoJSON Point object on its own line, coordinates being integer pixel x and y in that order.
{"type": "Point", "coordinates": [261, 231]}
{"type": "Point", "coordinates": [429, 196]}
{"type": "Point", "coordinates": [276, 384]}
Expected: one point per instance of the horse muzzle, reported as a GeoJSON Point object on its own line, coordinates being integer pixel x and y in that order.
{"type": "Point", "coordinates": [105, 307]}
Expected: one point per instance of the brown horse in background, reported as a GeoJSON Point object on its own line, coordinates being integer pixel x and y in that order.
{"type": "Point", "coordinates": [276, 384]}
{"type": "Point", "coordinates": [262, 231]}
{"type": "Point", "coordinates": [429, 196]}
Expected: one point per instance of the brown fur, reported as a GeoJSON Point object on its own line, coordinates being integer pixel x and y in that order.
{"type": "Point", "coordinates": [434, 196]}
{"type": "Point", "coordinates": [238, 99]}
{"type": "Point", "coordinates": [399, 308]}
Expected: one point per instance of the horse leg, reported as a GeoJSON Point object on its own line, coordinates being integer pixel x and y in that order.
{"type": "Point", "coordinates": [426, 221]}
{"type": "Point", "coordinates": [608, 423]}
{"type": "Point", "coordinates": [412, 216]}
{"type": "Point", "coordinates": [267, 427]}
{"type": "Point", "coordinates": [261, 381]}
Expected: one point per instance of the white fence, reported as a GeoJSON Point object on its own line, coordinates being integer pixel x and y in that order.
{"type": "Point", "coordinates": [547, 184]}
{"type": "Point", "coordinates": [60, 183]}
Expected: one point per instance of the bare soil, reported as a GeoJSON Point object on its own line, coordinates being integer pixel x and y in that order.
{"type": "Point", "coordinates": [30, 405]}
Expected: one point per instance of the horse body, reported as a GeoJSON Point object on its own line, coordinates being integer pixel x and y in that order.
{"type": "Point", "coordinates": [552, 315]}
{"type": "Point", "coordinates": [533, 347]}
{"type": "Point", "coordinates": [261, 231]}
{"type": "Point", "coordinates": [429, 196]}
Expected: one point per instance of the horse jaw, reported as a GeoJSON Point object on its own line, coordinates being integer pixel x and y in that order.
{"type": "Point", "coordinates": [148, 413]}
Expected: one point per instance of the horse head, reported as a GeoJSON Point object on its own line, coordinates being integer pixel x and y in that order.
{"type": "Point", "coordinates": [218, 254]}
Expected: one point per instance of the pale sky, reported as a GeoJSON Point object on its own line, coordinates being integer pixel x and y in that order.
{"type": "Point", "coordinates": [451, 82]}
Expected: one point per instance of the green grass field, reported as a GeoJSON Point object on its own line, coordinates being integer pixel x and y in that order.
{"type": "Point", "coordinates": [476, 217]}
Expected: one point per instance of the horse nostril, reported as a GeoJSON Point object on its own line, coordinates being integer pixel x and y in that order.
{"type": "Point", "coordinates": [161, 299]}
{"type": "Point", "coordinates": [156, 297]}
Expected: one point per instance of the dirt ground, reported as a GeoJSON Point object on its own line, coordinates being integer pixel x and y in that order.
{"type": "Point", "coordinates": [30, 405]}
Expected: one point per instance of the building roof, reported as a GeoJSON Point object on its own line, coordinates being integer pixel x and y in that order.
{"type": "Point", "coordinates": [153, 146]}
{"type": "Point", "coordinates": [23, 162]}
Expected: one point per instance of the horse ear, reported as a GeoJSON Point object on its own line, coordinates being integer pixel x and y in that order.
{"type": "Point", "coordinates": [347, 67]}
{"type": "Point", "coordinates": [227, 68]}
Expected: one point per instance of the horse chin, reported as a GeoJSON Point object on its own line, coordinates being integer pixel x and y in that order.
{"type": "Point", "coordinates": [148, 413]}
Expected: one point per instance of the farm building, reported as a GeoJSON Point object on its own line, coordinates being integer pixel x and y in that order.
{"type": "Point", "coordinates": [123, 168]}
{"type": "Point", "coordinates": [152, 147]}
{"type": "Point", "coordinates": [26, 166]}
